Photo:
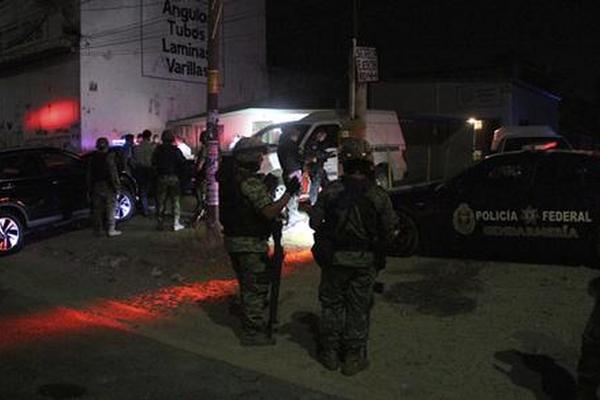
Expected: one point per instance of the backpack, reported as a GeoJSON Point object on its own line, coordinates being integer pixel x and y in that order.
{"type": "Point", "coordinates": [352, 225]}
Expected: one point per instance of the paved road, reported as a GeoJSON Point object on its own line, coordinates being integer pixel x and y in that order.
{"type": "Point", "coordinates": [146, 317]}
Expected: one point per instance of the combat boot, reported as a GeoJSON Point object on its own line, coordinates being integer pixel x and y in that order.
{"type": "Point", "coordinates": [112, 231]}
{"type": "Point", "coordinates": [354, 362]}
{"type": "Point", "coordinates": [257, 339]}
{"type": "Point", "coordinates": [329, 358]}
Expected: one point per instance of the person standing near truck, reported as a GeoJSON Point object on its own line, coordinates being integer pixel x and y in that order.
{"type": "Point", "coordinates": [168, 161]}
{"type": "Point", "coordinates": [247, 212]}
{"type": "Point", "coordinates": [290, 159]}
{"type": "Point", "coordinates": [354, 223]}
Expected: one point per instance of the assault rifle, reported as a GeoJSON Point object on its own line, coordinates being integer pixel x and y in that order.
{"type": "Point", "coordinates": [276, 264]}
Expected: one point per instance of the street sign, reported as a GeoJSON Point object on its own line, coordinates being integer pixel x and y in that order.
{"type": "Point", "coordinates": [367, 66]}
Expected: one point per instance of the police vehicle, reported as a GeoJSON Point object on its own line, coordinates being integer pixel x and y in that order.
{"type": "Point", "coordinates": [515, 203]}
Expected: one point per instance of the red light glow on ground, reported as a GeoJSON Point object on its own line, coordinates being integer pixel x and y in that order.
{"type": "Point", "coordinates": [123, 314]}
{"type": "Point", "coordinates": [54, 115]}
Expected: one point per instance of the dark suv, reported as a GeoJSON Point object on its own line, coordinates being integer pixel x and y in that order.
{"type": "Point", "coordinates": [47, 187]}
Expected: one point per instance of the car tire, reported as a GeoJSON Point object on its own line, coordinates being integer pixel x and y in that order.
{"type": "Point", "coordinates": [12, 233]}
{"type": "Point", "coordinates": [125, 206]}
{"type": "Point", "coordinates": [408, 238]}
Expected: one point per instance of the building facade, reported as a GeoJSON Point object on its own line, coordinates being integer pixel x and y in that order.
{"type": "Point", "coordinates": [96, 68]}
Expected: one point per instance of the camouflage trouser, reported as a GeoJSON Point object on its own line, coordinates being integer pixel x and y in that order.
{"type": "Point", "coordinates": [104, 203]}
{"type": "Point", "coordinates": [346, 295]}
{"type": "Point", "coordinates": [167, 191]}
{"type": "Point", "coordinates": [588, 370]}
{"type": "Point", "coordinates": [253, 277]}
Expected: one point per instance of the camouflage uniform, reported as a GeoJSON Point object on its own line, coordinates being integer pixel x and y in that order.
{"type": "Point", "coordinates": [103, 179]}
{"type": "Point", "coordinates": [249, 259]}
{"type": "Point", "coordinates": [588, 370]}
{"type": "Point", "coordinates": [167, 192]}
{"type": "Point", "coordinates": [168, 162]}
{"type": "Point", "coordinates": [364, 216]}
{"type": "Point", "coordinates": [246, 233]}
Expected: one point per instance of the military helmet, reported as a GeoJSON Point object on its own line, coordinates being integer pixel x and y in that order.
{"type": "Point", "coordinates": [356, 149]}
{"type": "Point", "coordinates": [248, 148]}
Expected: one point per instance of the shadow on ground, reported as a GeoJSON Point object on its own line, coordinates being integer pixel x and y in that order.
{"type": "Point", "coordinates": [444, 290]}
{"type": "Point", "coordinates": [303, 329]}
{"type": "Point", "coordinates": [537, 373]}
{"type": "Point", "coordinates": [225, 313]}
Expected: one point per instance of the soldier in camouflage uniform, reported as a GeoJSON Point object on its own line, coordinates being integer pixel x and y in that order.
{"type": "Point", "coordinates": [247, 212]}
{"type": "Point", "coordinates": [354, 219]}
{"type": "Point", "coordinates": [103, 181]}
{"type": "Point", "coordinates": [168, 161]}
{"type": "Point", "coordinates": [588, 370]}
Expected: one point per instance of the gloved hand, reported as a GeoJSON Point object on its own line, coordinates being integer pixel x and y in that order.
{"type": "Point", "coordinates": [271, 182]}
{"type": "Point", "coordinates": [292, 187]}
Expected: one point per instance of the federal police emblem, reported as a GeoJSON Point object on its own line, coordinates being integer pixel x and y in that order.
{"type": "Point", "coordinates": [463, 219]}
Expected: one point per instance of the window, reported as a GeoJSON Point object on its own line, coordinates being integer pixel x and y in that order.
{"type": "Point", "coordinates": [56, 162]}
{"type": "Point", "coordinates": [19, 166]}
{"type": "Point", "coordinates": [271, 136]}
{"type": "Point", "coordinates": [513, 171]}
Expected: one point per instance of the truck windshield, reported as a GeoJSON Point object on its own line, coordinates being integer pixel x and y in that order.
{"type": "Point", "coordinates": [271, 134]}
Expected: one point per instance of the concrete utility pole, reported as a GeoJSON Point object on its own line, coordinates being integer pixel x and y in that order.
{"type": "Point", "coordinates": [215, 17]}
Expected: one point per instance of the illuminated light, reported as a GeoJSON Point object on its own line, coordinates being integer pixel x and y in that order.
{"type": "Point", "coordinates": [477, 123]}
{"type": "Point", "coordinates": [52, 116]}
{"type": "Point", "coordinates": [547, 146]}
{"type": "Point", "coordinates": [121, 314]}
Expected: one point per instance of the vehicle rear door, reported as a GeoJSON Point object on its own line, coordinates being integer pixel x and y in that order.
{"type": "Point", "coordinates": [23, 183]}
{"type": "Point", "coordinates": [67, 174]}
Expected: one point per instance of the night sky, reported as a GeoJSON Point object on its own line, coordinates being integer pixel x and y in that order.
{"type": "Point", "coordinates": [561, 38]}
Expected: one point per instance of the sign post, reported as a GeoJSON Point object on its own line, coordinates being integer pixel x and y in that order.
{"type": "Point", "coordinates": [367, 65]}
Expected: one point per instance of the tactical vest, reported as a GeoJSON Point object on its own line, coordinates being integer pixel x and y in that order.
{"type": "Point", "coordinates": [237, 215]}
{"type": "Point", "coordinates": [354, 220]}
{"type": "Point", "coordinates": [99, 167]}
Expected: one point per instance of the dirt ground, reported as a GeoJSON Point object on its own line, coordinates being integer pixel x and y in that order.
{"type": "Point", "coordinates": [442, 329]}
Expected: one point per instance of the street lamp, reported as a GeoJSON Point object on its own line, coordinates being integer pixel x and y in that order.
{"type": "Point", "coordinates": [477, 125]}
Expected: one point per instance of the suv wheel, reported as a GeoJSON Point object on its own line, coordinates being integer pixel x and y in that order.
{"type": "Point", "coordinates": [125, 206]}
{"type": "Point", "coordinates": [11, 233]}
{"type": "Point", "coordinates": [407, 241]}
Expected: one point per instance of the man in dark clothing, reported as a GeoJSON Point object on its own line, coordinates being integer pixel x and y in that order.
{"type": "Point", "coordinates": [103, 181]}
{"type": "Point", "coordinates": [168, 162]}
{"type": "Point", "coordinates": [290, 159]}
{"type": "Point", "coordinates": [142, 163]}
{"type": "Point", "coordinates": [316, 156]}
{"type": "Point", "coordinates": [128, 146]}
{"type": "Point", "coordinates": [247, 213]}
{"type": "Point", "coordinates": [288, 154]}
{"type": "Point", "coordinates": [355, 221]}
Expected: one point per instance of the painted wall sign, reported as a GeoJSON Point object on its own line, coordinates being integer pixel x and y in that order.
{"type": "Point", "coordinates": [527, 222]}
{"type": "Point", "coordinates": [174, 40]}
